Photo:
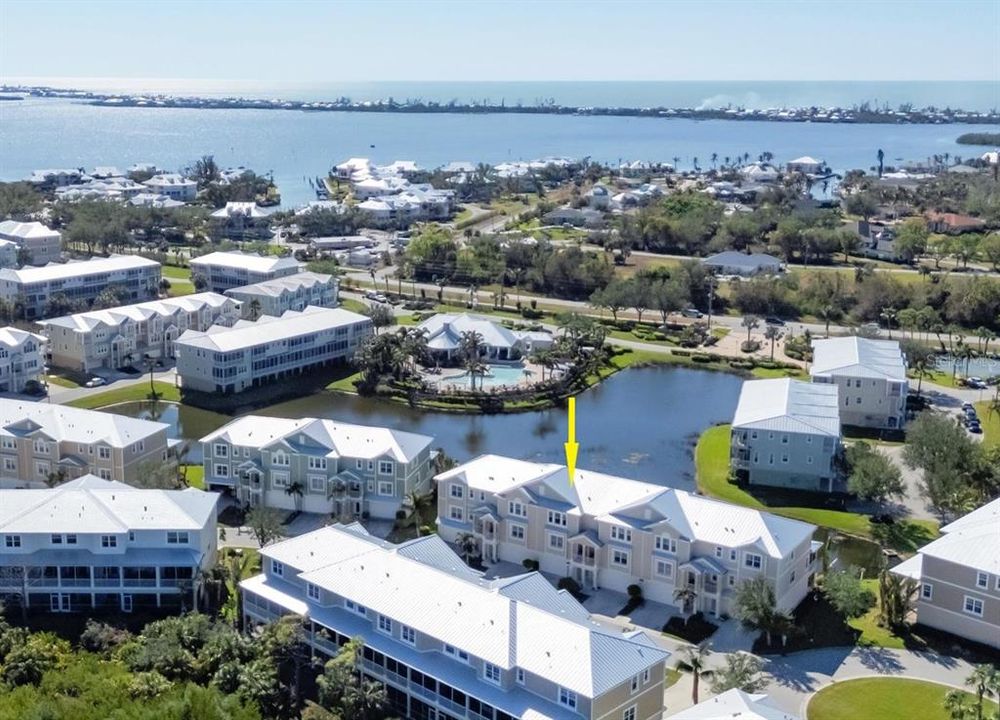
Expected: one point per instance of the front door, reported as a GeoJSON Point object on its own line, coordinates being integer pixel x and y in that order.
{"type": "Point", "coordinates": [59, 602]}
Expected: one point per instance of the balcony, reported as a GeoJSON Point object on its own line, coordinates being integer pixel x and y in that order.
{"type": "Point", "coordinates": [585, 560]}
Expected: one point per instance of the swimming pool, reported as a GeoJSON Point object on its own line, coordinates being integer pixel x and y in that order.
{"type": "Point", "coordinates": [496, 376]}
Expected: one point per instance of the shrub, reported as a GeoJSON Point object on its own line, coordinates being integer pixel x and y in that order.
{"type": "Point", "coordinates": [569, 585]}
{"type": "Point", "coordinates": [530, 564]}
{"type": "Point", "coordinates": [401, 514]}
{"type": "Point", "coordinates": [634, 591]}
{"type": "Point", "coordinates": [749, 346]}
{"type": "Point", "coordinates": [531, 313]}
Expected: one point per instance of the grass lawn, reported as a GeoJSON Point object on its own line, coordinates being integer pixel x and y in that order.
{"type": "Point", "coordinates": [195, 475]}
{"type": "Point", "coordinates": [766, 373]}
{"type": "Point", "coordinates": [130, 393]}
{"type": "Point", "coordinates": [671, 676]}
{"type": "Point", "coordinates": [938, 377]}
{"type": "Point", "coordinates": [712, 472]}
{"type": "Point", "coordinates": [882, 698]}
{"type": "Point", "coordinates": [871, 632]}
{"type": "Point", "coordinates": [61, 381]}
{"type": "Point", "coordinates": [172, 272]}
{"type": "Point", "coordinates": [353, 305]}
{"type": "Point", "coordinates": [990, 423]}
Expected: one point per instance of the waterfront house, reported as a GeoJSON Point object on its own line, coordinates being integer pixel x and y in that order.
{"type": "Point", "coordinates": [39, 441]}
{"type": "Point", "coordinates": [224, 270]}
{"type": "Point", "coordinates": [805, 164]}
{"type": "Point", "coordinates": [760, 173]}
{"type": "Point", "coordinates": [251, 353]}
{"type": "Point", "coordinates": [135, 277]}
{"type": "Point", "coordinates": [786, 433]}
{"type": "Point", "coordinates": [609, 532]}
{"type": "Point", "coordinates": [734, 704]}
{"type": "Point", "coordinates": [241, 221]}
{"type": "Point", "coordinates": [318, 465]}
{"type": "Point", "coordinates": [22, 359]}
{"type": "Point", "coordinates": [444, 337]}
{"type": "Point", "coordinates": [448, 643]}
{"type": "Point", "coordinates": [731, 262]}
{"type": "Point", "coordinates": [114, 188]}
{"type": "Point", "coordinates": [361, 167]}
{"type": "Point", "coordinates": [174, 186]}
{"type": "Point", "coordinates": [93, 544]}
{"type": "Point", "coordinates": [292, 292]}
{"type": "Point", "coordinates": [958, 577]}
{"type": "Point", "coordinates": [127, 335]}
{"type": "Point", "coordinates": [46, 180]}
{"type": "Point", "coordinates": [871, 377]}
{"type": "Point", "coordinates": [42, 244]}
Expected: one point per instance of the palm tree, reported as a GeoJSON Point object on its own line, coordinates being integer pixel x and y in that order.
{"type": "Point", "coordinates": [772, 333]}
{"type": "Point", "coordinates": [420, 503]}
{"type": "Point", "coordinates": [467, 545]}
{"type": "Point", "coordinates": [254, 309]}
{"type": "Point", "coordinates": [685, 595]}
{"type": "Point", "coordinates": [954, 704]}
{"type": "Point", "coordinates": [471, 347]}
{"type": "Point", "coordinates": [888, 314]}
{"type": "Point", "coordinates": [985, 680]}
{"type": "Point", "coordinates": [697, 659]}
{"type": "Point", "coordinates": [296, 490]}
{"type": "Point", "coordinates": [750, 322]}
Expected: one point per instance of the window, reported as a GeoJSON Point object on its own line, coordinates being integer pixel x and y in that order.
{"type": "Point", "coordinates": [456, 513]}
{"type": "Point", "coordinates": [718, 551]}
{"type": "Point", "coordinates": [491, 672]}
{"type": "Point", "coordinates": [557, 542]}
{"type": "Point", "coordinates": [279, 480]}
{"type": "Point", "coordinates": [385, 624]}
{"type": "Point", "coordinates": [629, 713]}
{"type": "Point", "coordinates": [221, 471]}
{"type": "Point", "coordinates": [12, 541]}
{"type": "Point", "coordinates": [221, 450]}
{"type": "Point", "coordinates": [557, 518]}
{"type": "Point", "coordinates": [456, 653]}
{"type": "Point", "coordinates": [982, 580]}
{"type": "Point", "coordinates": [177, 538]}
{"type": "Point", "coordinates": [927, 591]}
{"type": "Point", "coordinates": [732, 581]}
{"type": "Point", "coordinates": [9, 444]}
{"type": "Point", "coordinates": [784, 439]}
{"type": "Point", "coordinates": [752, 560]}
{"type": "Point", "coordinates": [973, 606]}
{"type": "Point", "coordinates": [633, 684]}
{"type": "Point", "coordinates": [408, 634]}
{"type": "Point", "coordinates": [109, 541]}
{"type": "Point", "coordinates": [567, 698]}
{"type": "Point", "coordinates": [621, 534]}
{"type": "Point", "coordinates": [519, 676]}
{"type": "Point", "coordinates": [317, 483]}
{"type": "Point", "coordinates": [57, 539]}
{"type": "Point", "coordinates": [645, 676]}
{"type": "Point", "coordinates": [279, 458]}
{"type": "Point", "coordinates": [664, 569]}
{"type": "Point", "coordinates": [517, 533]}
{"type": "Point", "coordinates": [41, 447]}
{"type": "Point", "coordinates": [666, 544]}
{"type": "Point", "coordinates": [791, 578]}
{"type": "Point", "coordinates": [457, 491]}
{"type": "Point", "coordinates": [371, 465]}
{"type": "Point", "coordinates": [71, 539]}
{"type": "Point", "coordinates": [359, 464]}
{"type": "Point", "coordinates": [277, 568]}
{"type": "Point", "coordinates": [42, 468]}
{"type": "Point", "coordinates": [10, 464]}
{"type": "Point", "coordinates": [317, 463]}
{"type": "Point", "coordinates": [732, 555]}
{"type": "Point", "coordinates": [104, 473]}
{"type": "Point", "coordinates": [313, 591]}
{"type": "Point", "coordinates": [619, 557]}
{"type": "Point", "coordinates": [517, 509]}
{"type": "Point", "coordinates": [385, 467]}
{"type": "Point", "coordinates": [355, 608]}
{"type": "Point", "coordinates": [386, 488]}
{"type": "Point", "coordinates": [104, 453]}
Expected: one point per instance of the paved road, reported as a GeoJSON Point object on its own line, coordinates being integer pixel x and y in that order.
{"type": "Point", "coordinates": [62, 395]}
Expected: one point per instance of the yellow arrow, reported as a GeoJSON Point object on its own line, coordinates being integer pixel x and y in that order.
{"type": "Point", "coordinates": [572, 447]}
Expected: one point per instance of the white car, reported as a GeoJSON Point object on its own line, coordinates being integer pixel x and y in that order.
{"type": "Point", "coordinates": [96, 382]}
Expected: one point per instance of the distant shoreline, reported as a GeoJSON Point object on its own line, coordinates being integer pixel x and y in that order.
{"type": "Point", "coordinates": [985, 139]}
{"type": "Point", "coordinates": [862, 114]}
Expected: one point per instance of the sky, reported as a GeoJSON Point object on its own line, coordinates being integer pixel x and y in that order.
{"type": "Point", "coordinates": [482, 40]}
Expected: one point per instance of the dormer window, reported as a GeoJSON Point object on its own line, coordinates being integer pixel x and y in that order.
{"type": "Point", "coordinates": [621, 534]}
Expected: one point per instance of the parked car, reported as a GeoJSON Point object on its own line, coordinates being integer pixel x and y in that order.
{"type": "Point", "coordinates": [977, 383]}
{"type": "Point", "coordinates": [773, 320]}
{"type": "Point", "coordinates": [691, 312]}
{"type": "Point", "coordinates": [380, 298]}
{"type": "Point", "coordinates": [96, 382]}
{"type": "Point", "coordinates": [975, 427]}
{"type": "Point", "coordinates": [967, 406]}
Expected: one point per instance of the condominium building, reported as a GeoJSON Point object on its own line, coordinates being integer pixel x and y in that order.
{"type": "Point", "coordinates": [958, 577]}
{"type": "Point", "coordinates": [174, 186]}
{"type": "Point", "coordinates": [293, 292]}
{"type": "Point", "coordinates": [22, 359]}
{"type": "Point", "coordinates": [318, 465]}
{"type": "Point", "coordinates": [80, 281]}
{"type": "Point", "coordinates": [871, 375]}
{"type": "Point", "coordinates": [241, 221]}
{"type": "Point", "coordinates": [786, 433]}
{"type": "Point", "coordinates": [449, 644]}
{"type": "Point", "coordinates": [42, 244]}
{"type": "Point", "coordinates": [98, 544]}
{"type": "Point", "coordinates": [39, 441]}
{"type": "Point", "coordinates": [224, 270]}
{"type": "Point", "coordinates": [250, 353]}
{"type": "Point", "coordinates": [125, 335]}
{"type": "Point", "coordinates": [610, 532]}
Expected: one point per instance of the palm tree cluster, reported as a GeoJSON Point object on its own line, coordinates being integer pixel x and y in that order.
{"type": "Point", "coordinates": [391, 354]}
{"type": "Point", "coordinates": [985, 684]}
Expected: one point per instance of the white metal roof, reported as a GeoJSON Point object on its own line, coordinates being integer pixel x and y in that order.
{"type": "Point", "coordinates": [26, 230]}
{"type": "Point", "coordinates": [972, 540]}
{"type": "Point", "coordinates": [12, 337]}
{"type": "Point", "coordinates": [858, 357]}
{"type": "Point", "coordinates": [731, 257]}
{"type": "Point", "coordinates": [288, 283]}
{"type": "Point", "coordinates": [788, 405]}
{"type": "Point", "coordinates": [444, 331]}
{"type": "Point", "coordinates": [247, 261]}
{"type": "Point", "coordinates": [76, 268]}
{"type": "Point", "coordinates": [268, 329]}
{"type": "Point", "coordinates": [92, 505]}
{"type": "Point", "coordinates": [734, 705]}
{"type": "Point", "coordinates": [166, 307]}
{"type": "Point", "coordinates": [340, 439]}
{"type": "Point", "coordinates": [63, 423]}
{"type": "Point", "coordinates": [458, 607]}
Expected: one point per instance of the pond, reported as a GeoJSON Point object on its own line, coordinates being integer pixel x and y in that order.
{"type": "Point", "coordinates": [983, 367]}
{"type": "Point", "coordinates": [639, 423]}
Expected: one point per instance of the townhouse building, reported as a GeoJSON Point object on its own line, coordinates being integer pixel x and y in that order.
{"type": "Point", "coordinates": [449, 644]}
{"type": "Point", "coordinates": [250, 353]}
{"type": "Point", "coordinates": [293, 292]}
{"type": "Point", "coordinates": [224, 270]}
{"type": "Point", "coordinates": [174, 186]}
{"type": "Point", "coordinates": [22, 359]}
{"type": "Point", "coordinates": [42, 244]}
{"type": "Point", "coordinates": [958, 577]}
{"type": "Point", "coordinates": [786, 433]}
{"type": "Point", "coordinates": [40, 441]}
{"type": "Point", "coordinates": [93, 544]}
{"type": "Point", "coordinates": [318, 465]}
{"type": "Point", "coordinates": [241, 221]}
{"type": "Point", "coordinates": [871, 376]}
{"type": "Point", "coordinates": [81, 281]}
{"type": "Point", "coordinates": [610, 532]}
{"type": "Point", "coordinates": [126, 335]}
